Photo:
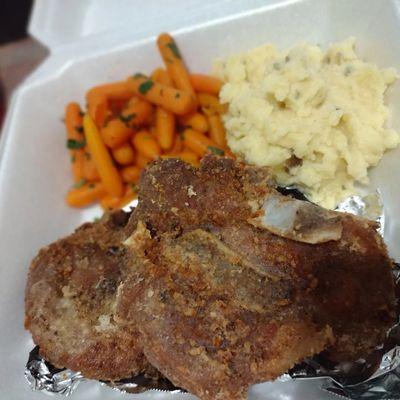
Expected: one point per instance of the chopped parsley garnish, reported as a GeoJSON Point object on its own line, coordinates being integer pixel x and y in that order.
{"type": "Point", "coordinates": [127, 118]}
{"type": "Point", "coordinates": [139, 75]}
{"type": "Point", "coordinates": [216, 150]}
{"type": "Point", "coordinates": [73, 144]}
{"type": "Point", "coordinates": [277, 66]}
{"type": "Point", "coordinates": [174, 49]}
{"type": "Point", "coordinates": [134, 187]}
{"type": "Point", "coordinates": [146, 86]}
{"type": "Point", "coordinates": [348, 70]}
{"type": "Point", "coordinates": [79, 129]}
{"type": "Point", "coordinates": [80, 183]}
{"type": "Point", "coordinates": [177, 95]}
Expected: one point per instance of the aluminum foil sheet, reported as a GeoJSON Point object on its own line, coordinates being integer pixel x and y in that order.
{"type": "Point", "coordinates": [369, 206]}
{"type": "Point", "coordinates": [375, 377]}
{"type": "Point", "coordinates": [41, 375]}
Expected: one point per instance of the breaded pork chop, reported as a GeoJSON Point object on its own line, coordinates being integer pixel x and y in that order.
{"type": "Point", "coordinates": [352, 272]}
{"type": "Point", "coordinates": [210, 320]}
{"type": "Point", "coordinates": [236, 283]}
{"type": "Point", "coordinates": [70, 302]}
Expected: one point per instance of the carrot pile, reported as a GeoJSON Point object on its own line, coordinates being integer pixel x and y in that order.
{"type": "Point", "coordinates": [129, 123]}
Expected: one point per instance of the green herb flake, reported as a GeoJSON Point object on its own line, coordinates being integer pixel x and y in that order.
{"type": "Point", "coordinates": [127, 118]}
{"type": "Point", "coordinates": [277, 66]}
{"type": "Point", "coordinates": [80, 183]}
{"type": "Point", "coordinates": [79, 129]}
{"type": "Point", "coordinates": [134, 187]}
{"type": "Point", "coordinates": [216, 150]}
{"type": "Point", "coordinates": [139, 75]}
{"type": "Point", "coordinates": [348, 70]}
{"type": "Point", "coordinates": [73, 144]}
{"type": "Point", "coordinates": [96, 219]}
{"type": "Point", "coordinates": [177, 95]}
{"type": "Point", "coordinates": [174, 49]}
{"type": "Point", "coordinates": [73, 158]}
{"type": "Point", "coordinates": [146, 86]}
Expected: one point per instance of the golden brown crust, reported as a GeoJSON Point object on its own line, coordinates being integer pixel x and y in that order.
{"type": "Point", "coordinates": [173, 194]}
{"type": "Point", "coordinates": [213, 302]}
{"type": "Point", "coordinates": [70, 301]}
{"type": "Point", "coordinates": [210, 322]}
{"type": "Point", "coordinates": [205, 258]}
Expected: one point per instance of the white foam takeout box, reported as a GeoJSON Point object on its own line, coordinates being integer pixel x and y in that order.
{"type": "Point", "coordinates": [35, 172]}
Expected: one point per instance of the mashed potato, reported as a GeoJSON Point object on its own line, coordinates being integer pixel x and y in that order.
{"type": "Point", "coordinates": [317, 119]}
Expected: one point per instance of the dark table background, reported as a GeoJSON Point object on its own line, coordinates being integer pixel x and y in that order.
{"type": "Point", "coordinates": [19, 54]}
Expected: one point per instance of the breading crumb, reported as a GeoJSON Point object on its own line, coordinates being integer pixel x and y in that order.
{"type": "Point", "coordinates": [191, 192]}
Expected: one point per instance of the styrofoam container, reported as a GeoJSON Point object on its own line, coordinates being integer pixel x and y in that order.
{"type": "Point", "coordinates": [34, 169]}
{"type": "Point", "coordinates": [55, 23]}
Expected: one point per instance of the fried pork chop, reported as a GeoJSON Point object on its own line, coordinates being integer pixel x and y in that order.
{"type": "Point", "coordinates": [217, 281]}
{"type": "Point", "coordinates": [232, 284]}
{"type": "Point", "coordinates": [70, 302]}
{"type": "Point", "coordinates": [209, 322]}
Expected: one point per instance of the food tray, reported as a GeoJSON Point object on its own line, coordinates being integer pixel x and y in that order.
{"type": "Point", "coordinates": [34, 169]}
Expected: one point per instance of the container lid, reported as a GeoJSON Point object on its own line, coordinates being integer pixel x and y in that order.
{"type": "Point", "coordinates": [55, 23]}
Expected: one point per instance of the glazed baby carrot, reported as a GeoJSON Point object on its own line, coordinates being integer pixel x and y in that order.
{"type": "Point", "coordinates": [177, 146]}
{"type": "Point", "coordinates": [206, 84]}
{"type": "Point", "coordinates": [210, 104]}
{"type": "Point", "coordinates": [115, 133]}
{"type": "Point", "coordinates": [189, 157]}
{"type": "Point", "coordinates": [115, 91]}
{"type": "Point", "coordinates": [174, 63]}
{"type": "Point", "coordinates": [146, 144]}
{"type": "Point", "coordinates": [124, 154]}
{"type": "Point", "coordinates": [78, 165]}
{"type": "Point", "coordinates": [97, 99]}
{"type": "Point", "coordinates": [136, 112]}
{"type": "Point", "coordinates": [75, 139]}
{"type": "Point", "coordinates": [86, 194]}
{"type": "Point", "coordinates": [109, 202]}
{"type": "Point", "coordinates": [161, 75]}
{"type": "Point", "coordinates": [142, 161]}
{"type": "Point", "coordinates": [196, 121]}
{"type": "Point", "coordinates": [199, 143]}
{"type": "Point", "coordinates": [165, 128]}
{"type": "Point", "coordinates": [89, 168]}
{"type": "Point", "coordinates": [165, 120]}
{"type": "Point", "coordinates": [98, 109]}
{"type": "Point", "coordinates": [130, 174]}
{"type": "Point", "coordinates": [217, 130]}
{"type": "Point", "coordinates": [112, 203]}
{"type": "Point", "coordinates": [73, 121]}
{"type": "Point", "coordinates": [108, 173]}
{"type": "Point", "coordinates": [171, 99]}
